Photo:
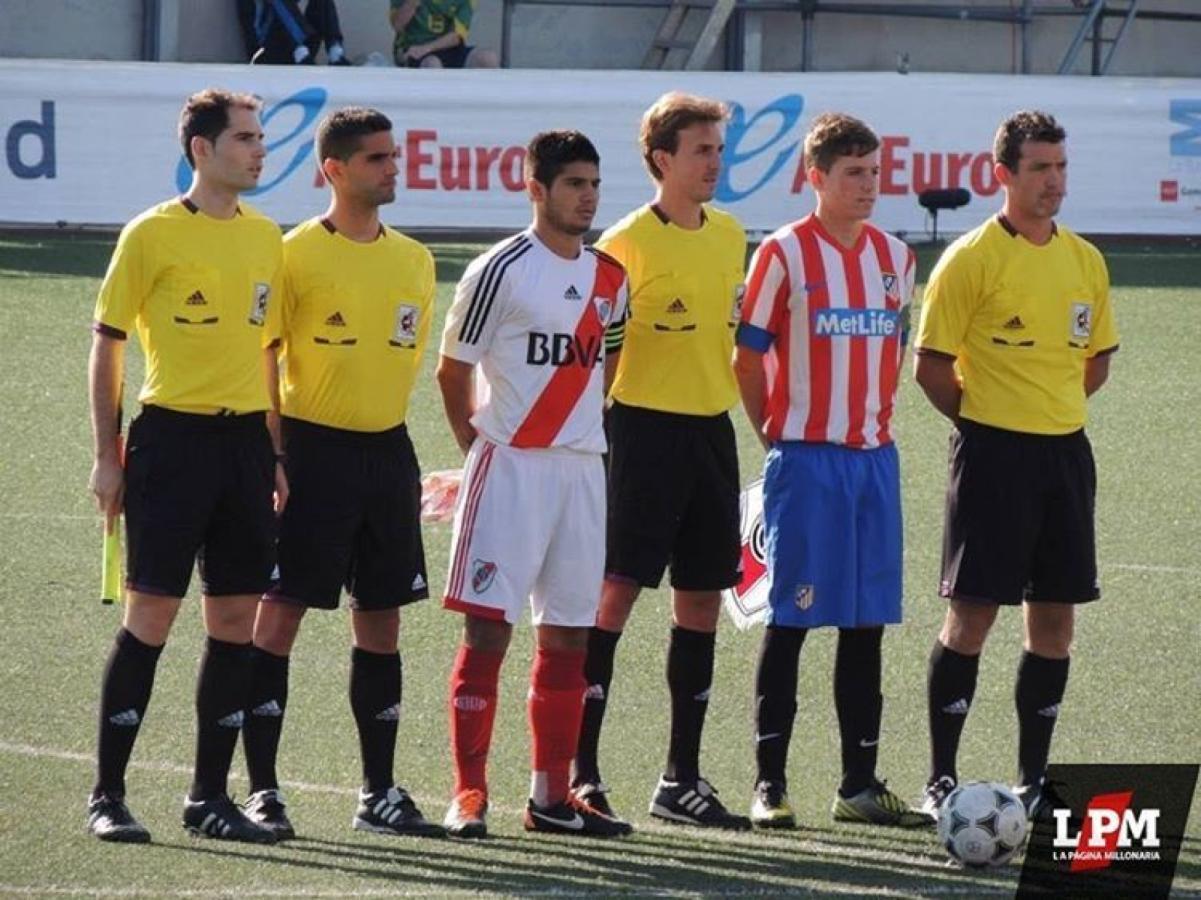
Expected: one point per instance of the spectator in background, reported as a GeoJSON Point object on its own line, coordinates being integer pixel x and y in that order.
{"type": "Point", "coordinates": [278, 33]}
{"type": "Point", "coordinates": [432, 34]}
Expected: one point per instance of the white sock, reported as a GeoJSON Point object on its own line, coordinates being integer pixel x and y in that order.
{"type": "Point", "coordinates": [335, 52]}
{"type": "Point", "coordinates": [300, 54]}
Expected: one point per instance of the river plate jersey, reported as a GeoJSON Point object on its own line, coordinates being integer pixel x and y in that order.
{"type": "Point", "coordinates": [538, 326]}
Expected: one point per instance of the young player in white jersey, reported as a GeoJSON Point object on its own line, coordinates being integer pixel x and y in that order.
{"type": "Point", "coordinates": [539, 318]}
{"type": "Point", "coordinates": [823, 331]}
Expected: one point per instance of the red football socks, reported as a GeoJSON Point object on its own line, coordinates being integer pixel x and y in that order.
{"type": "Point", "coordinates": [473, 683]}
{"type": "Point", "coordinates": [556, 708]}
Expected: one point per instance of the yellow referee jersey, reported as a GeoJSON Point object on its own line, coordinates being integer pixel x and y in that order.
{"type": "Point", "coordinates": [1020, 321]}
{"type": "Point", "coordinates": [201, 294]}
{"type": "Point", "coordinates": [685, 292]}
{"type": "Point", "coordinates": [356, 318]}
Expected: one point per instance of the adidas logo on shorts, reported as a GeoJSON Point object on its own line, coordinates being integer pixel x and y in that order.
{"type": "Point", "coordinates": [233, 720]}
{"type": "Point", "coordinates": [595, 692]}
{"type": "Point", "coordinates": [1050, 712]}
{"type": "Point", "coordinates": [270, 709]}
{"type": "Point", "coordinates": [418, 583]}
{"type": "Point", "coordinates": [958, 708]}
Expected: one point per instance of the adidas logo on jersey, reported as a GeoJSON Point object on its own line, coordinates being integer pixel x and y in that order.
{"type": "Point", "coordinates": [958, 708]}
{"type": "Point", "coordinates": [1015, 324]}
{"type": "Point", "coordinates": [391, 714]}
{"type": "Point", "coordinates": [233, 720]}
{"type": "Point", "coordinates": [270, 709]}
{"type": "Point", "coordinates": [128, 718]}
{"type": "Point", "coordinates": [676, 307]}
{"type": "Point", "coordinates": [571, 293]}
{"type": "Point", "coordinates": [336, 321]}
{"type": "Point", "coordinates": [196, 298]}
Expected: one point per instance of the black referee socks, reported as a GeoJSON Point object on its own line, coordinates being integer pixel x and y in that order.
{"type": "Point", "coordinates": [1037, 695]}
{"type": "Point", "coordinates": [689, 677]}
{"type": "Point", "coordinates": [598, 673]}
{"type": "Point", "coordinates": [375, 687]}
{"type": "Point", "coordinates": [265, 718]}
{"type": "Point", "coordinates": [124, 696]}
{"type": "Point", "coordinates": [222, 689]}
{"type": "Point", "coordinates": [950, 687]}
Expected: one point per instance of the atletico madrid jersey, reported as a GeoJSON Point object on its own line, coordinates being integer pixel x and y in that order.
{"type": "Point", "coordinates": [832, 322]}
{"type": "Point", "coordinates": [538, 326]}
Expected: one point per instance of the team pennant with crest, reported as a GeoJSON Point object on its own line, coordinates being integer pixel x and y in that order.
{"type": "Point", "coordinates": [746, 602]}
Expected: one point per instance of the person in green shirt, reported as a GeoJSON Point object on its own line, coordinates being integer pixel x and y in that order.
{"type": "Point", "coordinates": [432, 34]}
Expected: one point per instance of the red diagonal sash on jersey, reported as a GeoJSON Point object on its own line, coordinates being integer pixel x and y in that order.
{"type": "Point", "coordinates": [561, 394]}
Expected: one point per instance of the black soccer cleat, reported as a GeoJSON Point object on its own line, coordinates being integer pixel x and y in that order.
{"type": "Point", "coordinates": [1039, 799]}
{"type": "Point", "coordinates": [935, 794]}
{"type": "Point", "coordinates": [572, 816]}
{"type": "Point", "coordinates": [596, 795]}
{"type": "Point", "coordinates": [109, 819]}
{"type": "Point", "coordinates": [267, 808]}
{"type": "Point", "coordinates": [393, 812]}
{"type": "Point", "coordinates": [220, 818]}
{"type": "Point", "coordinates": [694, 803]}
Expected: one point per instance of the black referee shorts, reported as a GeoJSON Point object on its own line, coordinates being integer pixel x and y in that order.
{"type": "Point", "coordinates": [1019, 517]}
{"type": "Point", "coordinates": [353, 519]}
{"type": "Point", "coordinates": [199, 489]}
{"type": "Point", "coordinates": [673, 499]}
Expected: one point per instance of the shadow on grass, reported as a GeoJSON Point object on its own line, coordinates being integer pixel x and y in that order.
{"type": "Point", "coordinates": [647, 863]}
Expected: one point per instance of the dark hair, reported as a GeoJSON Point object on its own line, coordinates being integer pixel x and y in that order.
{"type": "Point", "coordinates": [550, 151]}
{"type": "Point", "coordinates": [667, 117]}
{"type": "Point", "coordinates": [206, 115]}
{"type": "Point", "coordinates": [832, 135]}
{"type": "Point", "coordinates": [338, 133]}
{"type": "Point", "coordinates": [1026, 125]}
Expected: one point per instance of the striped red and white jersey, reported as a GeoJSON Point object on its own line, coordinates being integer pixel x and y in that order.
{"type": "Point", "coordinates": [832, 323]}
{"type": "Point", "coordinates": [538, 327]}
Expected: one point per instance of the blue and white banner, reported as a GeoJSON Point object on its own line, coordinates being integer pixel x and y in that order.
{"type": "Point", "coordinates": [94, 143]}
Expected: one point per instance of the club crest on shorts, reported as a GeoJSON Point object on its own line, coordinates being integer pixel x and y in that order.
{"type": "Point", "coordinates": [258, 305]}
{"type": "Point", "coordinates": [1082, 320]}
{"type": "Point", "coordinates": [404, 332]}
{"type": "Point", "coordinates": [804, 596]}
{"type": "Point", "coordinates": [483, 573]}
{"type": "Point", "coordinates": [604, 306]}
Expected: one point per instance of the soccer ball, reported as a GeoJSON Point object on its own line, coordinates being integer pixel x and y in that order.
{"type": "Point", "coordinates": [982, 824]}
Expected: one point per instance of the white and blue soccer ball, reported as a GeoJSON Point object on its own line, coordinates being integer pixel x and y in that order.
{"type": "Point", "coordinates": [982, 824]}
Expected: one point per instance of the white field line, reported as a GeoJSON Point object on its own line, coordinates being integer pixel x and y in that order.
{"type": "Point", "coordinates": [851, 853]}
{"type": "Point", "coordinates": [825, 890]}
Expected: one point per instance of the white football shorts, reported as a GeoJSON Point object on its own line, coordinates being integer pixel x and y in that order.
{"type": "Point", "coordinates": [529, 523]}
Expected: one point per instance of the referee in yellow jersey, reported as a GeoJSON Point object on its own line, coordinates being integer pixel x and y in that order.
{"type": "Point", "coordinates": [195, 277]}
{"type": "Point", "coordinates": [673, 464]}
{"type": "Point", "coordinates": [358, 299]}
{"type": "Point", "coordinates": [1016, 333]}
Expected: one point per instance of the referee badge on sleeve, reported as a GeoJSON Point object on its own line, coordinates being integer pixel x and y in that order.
{"type": "Point", "coordinates": [258, 306]}
{"type": "Point", "coordinates": [404, 332]}
{"type": "Point", "coordinates": [1082, 320]}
